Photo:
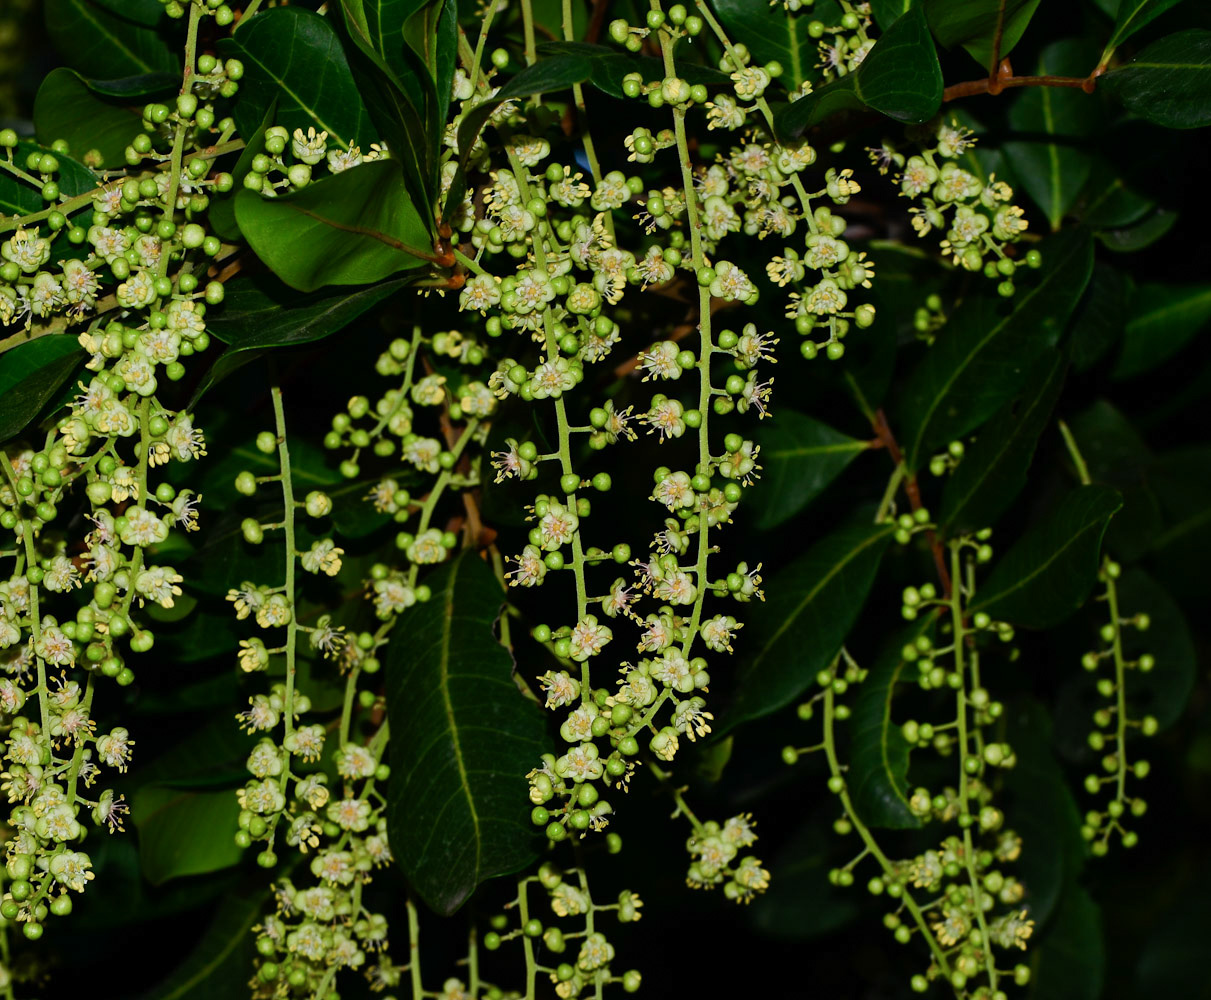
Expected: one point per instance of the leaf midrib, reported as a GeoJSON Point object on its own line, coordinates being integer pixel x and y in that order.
{"type": "Point", "coordinates": [823, 449]}
{"type": "Point", "coordinates": [444, 686]}
{"type": "Point", "coordinates": [940, 393]}
{"type": "Point", "coordinates": [814, 592]}
{"type": "Point", "coordinates": [1042, 567]}
{"type": "Point", "coordinates": [82, 8]}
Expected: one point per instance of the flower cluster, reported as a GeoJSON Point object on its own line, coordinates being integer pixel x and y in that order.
{"type": "Point", "coordinates": [977, 215]}
{"type": "Point", "coordinates": [117, 255]}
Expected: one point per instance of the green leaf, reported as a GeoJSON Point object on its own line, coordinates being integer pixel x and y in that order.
{"type": "Point", "coordinates": [294, 57]}
{"type": "Point", "coordinates": [974, 24]}
{"type": "Point", "coordinates": [355, 228]}
{"type": "Point", "coordinates": [221, 217]}
{"type": "Point", "coordinates": [1163, 319]}
{"type": "Point", "coordinates": [1139, 236]}
{"type": "Point", "coordinates": [983, 354]}
{"type": "Point", "coordinates": [1050, 571]}
{"type": "Point", "coordinates": [1133, 16]}
{"type": "Point", "coordinates": [1044, 811]}
{"type": "Point", "coordinates": [774, 34]}
{"type": "Point", "coordinates": [30, 374]}
{"type": "Point", "coordinates": [213, 755]}
{"type": "Point", "coordinates": [545, 76]}
{"type": "Point", "coordinates": [1054, 172]}
{"type": "Point", "coordinates": [810, 607]}
{"type": "Point", "coordinates": [800, 456]}
{"type": "Point", "coordinates": [261, 314]}
{"type": "Point", "coordinates": [179, 831]}
{"type": "Point", "coordinates": [899, 78]}
{"type": "Point", "coordinates": [886, 12]}
{"type": "Point", "coordinates": [1070, 958]}
{"type": "Point", "coordinates": [993, 470]}
{"type": "Point", "coordinates": [410, 82]}
{"type": "Point", "coordinates": [878, 777]}
{"type": "Point", "coordinates": [1108, 202]}
{"type": "Point", "coordinates": [1099, 319]}
{"type": "Point", "coordinates": [608, 66]}
{"type": "Point", "coordinates": [218, 964]}
{"type": "Point", "coordinates": [801, 903]}
{"type": "Point", "coordinates": [145, 12]}
{"type": "Point", "coordinates": [1169, 82]}
{"type": "Point", "coordinates": [462, 737]}
{"type": "Point", "coordinates": [1165, 690]}
{"type": "Point", "coordinates": [20, 198]}
{"type": "Point", "coordinates": [69, 107]}
{"type": "Point", "coordinates": [100, 44]}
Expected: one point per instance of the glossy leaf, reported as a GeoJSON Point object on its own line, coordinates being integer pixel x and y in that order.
{"type": "Point", "coordinates": [354, 228]}
{"type": "Point", "coordinates": [217, 965]}
{"type": "Point", "coordinates": [177, 831]}
{"type": "Point", "coordinates": [145, 12]}
{"type": "Point", "coordinates": [1133, 16]}
{"type": "Point", "coordinates": [993, 471]}
{"type": "Point", "coordinates": [1054, 171]}
{"type": "Point", "coordinates": [1044, 810]}
{"type": "Point", "coordinates": [221, 217]}
{"type": "Point", "coordinates": [1050, 571]}
{"type": "Point", "coordinates": [878, 773]}
{"type": "Point", "coordinates": [899, 78]}
{"type": "Point", "coordinates": [1069, 960]}
{"type": "Point", "coordinates": [975, 25]}
{"type": "Point", "coordinates": [1099, 319]}
{"type": "Point", "coordinates": [17, 197]}
{"type": "Point", "coordinates": [983, 354]}
{"type": "Point", "coordinates": [809, 608]}
{"type": "Point", "coordinates": [548, 75]}
{"type": "Point", "coordinates": [1108, 201]}
{"type": "Point", "coordinates": [1142, 234]}
{"type": "Point", "coordinates": [30, 374]}
{"type": "Point", "coordinates": [774, 34]}
{"type": "Point", "coordinates": [261, 314]}
{"type": "Point", "coordinates": [607, 66]}
{"type": "Point", "coordinates": [886, 12]}
{"type": "Point", "coordinates": [294, 57]}
{"type": "Point", "coordinates": [94, 115]}
{"type": "Point", "coordinates": [462, 739]}
{"type": "Point", "coordinates": [409, 84]}
{"type": "Point", "coordinates": [97, 42]}
{"type": "Point", "coordinates": [1163, 319]}
{"type": "Point", "coordinates": [1169, 82]}
{"type": "Point", "coordinates": [800, 456]}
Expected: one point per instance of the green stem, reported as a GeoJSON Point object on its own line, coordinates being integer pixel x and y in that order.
{"type": "Point", "coordinates": [527, 942]}
{"type": "Point", "coordinates": [1082, 470]}
{"type": "Point", "coordinates": [1120, 690]}
{"type": "Point", "coordinates": [279, 416]}
{"type": "Point", "coordinates": [31, 559]}
{"type": "Point", "coordinates": [910, 904]}
{"type": "Point", "coordinates": [889, 494]}
{"type": "Point", "coordinates": [414, 949]}
{"type": "Point", "coordinates": [965, 818]}
{"type": "Point", "coordinates": [706, 344]}
{"type": "Point", "coordinates": [178, 141]}
{"type": "Point", "coordinates": [678, 796]}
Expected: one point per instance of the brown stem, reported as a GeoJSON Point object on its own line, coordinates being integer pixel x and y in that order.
{"type": "Point", "coordinates": [883, 430]}
{"type": "Point", "coordinates": [985, 85]}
